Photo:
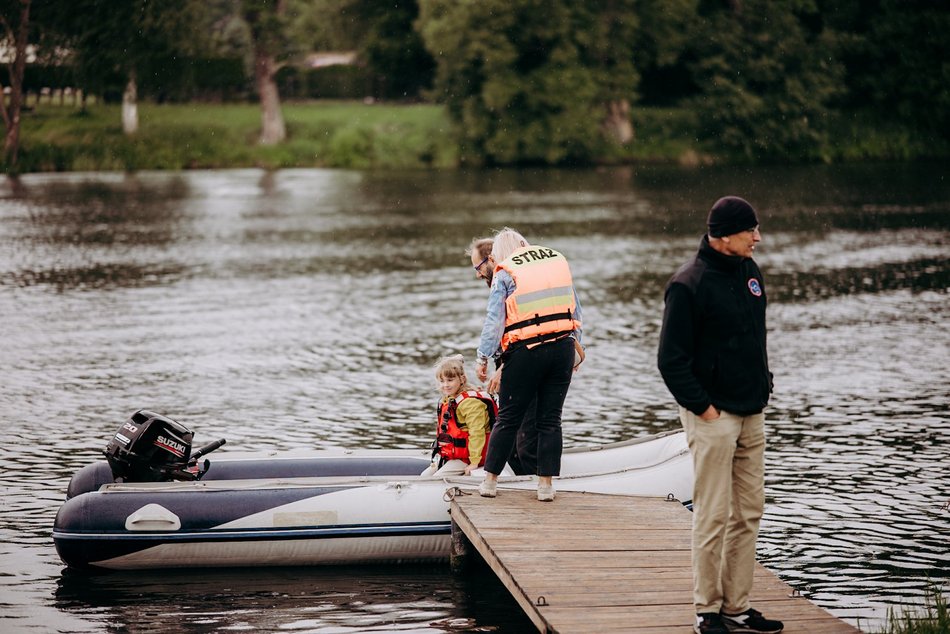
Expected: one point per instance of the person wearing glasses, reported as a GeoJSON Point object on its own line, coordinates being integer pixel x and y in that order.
{"type": "Point", "coordinates": [524, 457]}
{"type": "Point", "coordinates": [712, 356]}
{"type": "Point", "coordinates": [534, 317]}
{"type": "Point", "coordinates": [480, 253]}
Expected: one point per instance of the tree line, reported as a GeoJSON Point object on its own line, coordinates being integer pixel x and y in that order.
{"type": "Point", "coordinates": [523, 81]}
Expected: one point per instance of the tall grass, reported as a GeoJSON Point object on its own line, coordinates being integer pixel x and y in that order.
{"type": "Point", "coordinates": [933, 618]}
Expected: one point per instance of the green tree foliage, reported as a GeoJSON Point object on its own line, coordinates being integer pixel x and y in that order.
{"type": "Point", "coordinates": [111, 41]}
{"type": "Point", "coordinates": [392, 49]}
{"type": "Point", "coordinates": [766, 75]}
{"type": "Point", "coordinates": [662, 38]}
{"type": "Point", "coordinates": [897, 55]}
{"type": "Point", "coordinates": [606, 32]}
{"type": "Point", "coordinates": [912, 40]}
{"type": "Point", "coordinates": [605, 35]}
{"type": "Point", "coordinates": [517, 77]}
{"type": "Point", "coordinates": [389, 50]}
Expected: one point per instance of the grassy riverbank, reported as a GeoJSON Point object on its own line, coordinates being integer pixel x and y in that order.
{"type": "Point", "coordinates": [354, 135]}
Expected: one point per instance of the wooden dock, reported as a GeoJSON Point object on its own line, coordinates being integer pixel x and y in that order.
{"type": "Point", "coordinates": [605, 563]}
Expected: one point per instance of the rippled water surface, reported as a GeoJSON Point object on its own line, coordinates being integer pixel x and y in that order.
{"type": "Point", "coordinates": [305, 308]}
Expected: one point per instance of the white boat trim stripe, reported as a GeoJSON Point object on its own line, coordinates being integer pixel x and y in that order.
{"type": "Point", "coordinates": [426, 528]}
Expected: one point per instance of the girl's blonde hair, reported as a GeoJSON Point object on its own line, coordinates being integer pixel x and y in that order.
{"type": "Point", "coordinates": [507, 241]}
{"type": "Point", "coordinates": [451, 367]}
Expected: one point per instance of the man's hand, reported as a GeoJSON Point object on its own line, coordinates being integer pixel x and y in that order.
{"type": "Point", "coordinates": [495, 383]}
{"type": "Point", "coordinates": [711, 413]}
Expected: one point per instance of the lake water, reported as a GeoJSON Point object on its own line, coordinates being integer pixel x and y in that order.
{"type": "Point", "coordinates": [304, 308]}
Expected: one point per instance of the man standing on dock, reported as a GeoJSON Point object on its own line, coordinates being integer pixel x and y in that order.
{"type": "Point", "coordinates": [712, 356]}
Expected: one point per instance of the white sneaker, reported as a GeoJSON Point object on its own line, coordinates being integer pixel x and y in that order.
{"type": "Point", "coordinates": [488, 488]}
{"type": "Point", "coordinates": [546, 493]}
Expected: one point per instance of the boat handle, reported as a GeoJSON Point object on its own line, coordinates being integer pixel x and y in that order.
{"type": "Point", "coordinates": [152, 517]}
{"type": "Point", "coordinates": [152, 520]}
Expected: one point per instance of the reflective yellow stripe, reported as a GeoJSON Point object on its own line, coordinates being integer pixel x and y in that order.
{"type": "Point", "coordinates": [542, 303]}
{"type": "Point", "coordinates": [547, 292]}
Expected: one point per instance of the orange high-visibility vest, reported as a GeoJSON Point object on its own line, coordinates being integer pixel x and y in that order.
{"type": "Point", "coordinates": [542, 305]}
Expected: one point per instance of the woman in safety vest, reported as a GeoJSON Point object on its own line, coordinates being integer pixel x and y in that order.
{"type": "Point", "coordinates": [534, 315]}
{"type": "Point", "coordinates": [465, 416]}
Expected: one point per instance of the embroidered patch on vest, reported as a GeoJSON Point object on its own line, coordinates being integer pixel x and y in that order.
{"type": "Point", "coordinates": [754, 287]}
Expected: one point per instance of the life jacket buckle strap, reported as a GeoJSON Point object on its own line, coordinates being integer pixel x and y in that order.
{"type": "Point", "coordinates": [538, 319]}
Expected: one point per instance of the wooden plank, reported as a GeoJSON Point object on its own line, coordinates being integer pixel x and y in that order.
{"type": "Point", "coordinates": [584, 559]}
{"type": "Point", "coordinates": [607, 563]}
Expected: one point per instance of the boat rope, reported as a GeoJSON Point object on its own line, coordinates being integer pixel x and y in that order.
{"type": "Point", "coordinates": [683, 453]}
{"type": "Point", "coordinates": [453, 492]}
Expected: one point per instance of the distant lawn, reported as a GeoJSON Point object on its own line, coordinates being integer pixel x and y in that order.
{"type": "Point", "coordinates": [191, 136]}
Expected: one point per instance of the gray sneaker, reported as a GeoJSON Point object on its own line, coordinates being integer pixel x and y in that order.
{"type": "Point", "coordinates": [488, 489]}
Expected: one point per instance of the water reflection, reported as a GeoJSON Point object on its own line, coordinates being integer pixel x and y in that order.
{"type": "Point", "coordinates": [305, 308]}
{"type": "Point", "coordinates": [926, 273]}
{"type": "Point", "coordinates": [337, 600]}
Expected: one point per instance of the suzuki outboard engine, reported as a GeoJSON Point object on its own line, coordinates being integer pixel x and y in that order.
{"type": "Point", "coordinates": [150, 447]}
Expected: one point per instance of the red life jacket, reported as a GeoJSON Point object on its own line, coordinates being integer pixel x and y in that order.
{"type": "Point", "coordinates": [451, 439]}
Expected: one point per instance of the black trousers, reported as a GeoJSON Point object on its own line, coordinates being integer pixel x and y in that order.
{"type": "Point", "coordinates": [524, 457]}
{"type": "Point", "coordinates": [542, 373]}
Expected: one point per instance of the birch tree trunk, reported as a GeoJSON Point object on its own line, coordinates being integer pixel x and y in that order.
{"type": "Point", "coordinates": [273, 130]}
{"type": "Point", "coordinates": [130, 106]}
{"type": "Point", "coordinates": [616, 123]}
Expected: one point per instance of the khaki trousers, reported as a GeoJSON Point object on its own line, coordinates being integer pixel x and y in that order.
{"type": "Point", "coordinates": [728, 499]}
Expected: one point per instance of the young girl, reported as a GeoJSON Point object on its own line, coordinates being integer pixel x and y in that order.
{"type": "Point", "coordinates": [465, 416]}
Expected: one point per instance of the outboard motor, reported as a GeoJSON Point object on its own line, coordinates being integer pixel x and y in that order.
{"type": "Point", "coordinates": [150, 447]}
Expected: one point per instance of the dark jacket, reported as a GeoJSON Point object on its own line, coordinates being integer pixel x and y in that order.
{"type": "Point", "coordinates": [712, 344]}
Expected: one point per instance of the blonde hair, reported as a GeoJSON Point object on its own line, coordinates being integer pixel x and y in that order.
{"type": "Point", "coordinates": [507, 241]}
{"type": "Point", "coordinates": [451, 367]}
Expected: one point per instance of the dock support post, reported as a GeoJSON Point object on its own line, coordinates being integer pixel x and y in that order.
{"type": "Point", "coordinates": [461, 549]}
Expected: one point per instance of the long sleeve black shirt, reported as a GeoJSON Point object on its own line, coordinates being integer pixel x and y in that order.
{"type": "Point", "coordinates": [713, 340]}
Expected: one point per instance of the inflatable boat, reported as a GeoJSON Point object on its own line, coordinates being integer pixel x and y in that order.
{"type": "Point", "coordinates": [154, 504]}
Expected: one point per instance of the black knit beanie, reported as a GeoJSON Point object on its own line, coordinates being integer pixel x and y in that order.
{"type": "Point", "coordinates": [730, 215]}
